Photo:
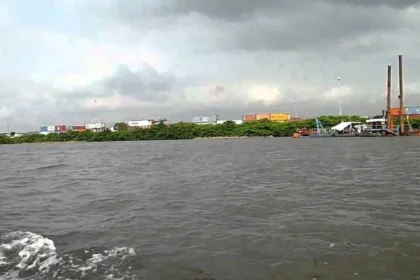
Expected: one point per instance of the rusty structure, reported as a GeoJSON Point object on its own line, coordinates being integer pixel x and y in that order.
{"type": "Point", "coordinates": [401, 95]}
{"type": "Point", "coordinates": [388, 100]}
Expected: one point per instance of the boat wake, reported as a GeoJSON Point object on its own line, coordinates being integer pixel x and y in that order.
{"type": "Point", "coordinates": [26, 255]}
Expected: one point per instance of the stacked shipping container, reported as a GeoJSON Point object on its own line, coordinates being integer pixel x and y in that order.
{"type": "Point", "coordinates": [78, 128]}
{"type": "Point", "coordinates": [61, 128]}
{"type": "Point", "coordinates": [48, 129]}
{"type": "Point", "coordinates": [275, 117]}
{"type": "Point", "coordinates": [249, 118]}
{"type": "Point", "coordinates": [262, 117]}
{"type": "Point", "coordinates": [411, 111]}
{"type": "Point", "coordinates": [280, 117]}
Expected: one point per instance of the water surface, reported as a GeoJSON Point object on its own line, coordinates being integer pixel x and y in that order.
{"type": "Point", "coordinates": [241, 209]}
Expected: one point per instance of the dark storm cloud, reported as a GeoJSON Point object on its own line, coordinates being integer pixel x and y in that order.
{"type": "Point", "coordinates": [308, 30]}
{"type": "Point", "coordinates": [145, 84]}
{"type": "Point", "coordinates": [275, 24]}
{"type": "Point", "coordinates": [239, 10]}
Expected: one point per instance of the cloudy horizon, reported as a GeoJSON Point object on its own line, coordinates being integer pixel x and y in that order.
{"type": "Point", "coordinates": [73, 62]}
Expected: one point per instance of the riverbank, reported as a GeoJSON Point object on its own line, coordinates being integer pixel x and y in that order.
{"type": "Point", "coordinates": [184, 131]}
{"type": "Point", "coordinates": [231, 137]}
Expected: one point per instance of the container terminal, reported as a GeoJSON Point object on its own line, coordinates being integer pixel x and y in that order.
{"type": "Point", "coordinates": [394, 121]}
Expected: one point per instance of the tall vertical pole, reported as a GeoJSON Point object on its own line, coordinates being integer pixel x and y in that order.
{"type": "Point", "coordinates": [388, 100]}
{"type": "Point", "coordinates": [295, 109]}
{"type": "Point", "coordinates": [401, 96]}
{"type": "Point", "coordinates": [339, 92]}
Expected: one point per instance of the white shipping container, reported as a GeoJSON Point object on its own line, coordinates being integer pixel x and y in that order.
{"type": "Point", "coordinates": [51, 128]}
{"type": "Point", "coordinates": [44, 132]}
{"type": "Point", "coordinates": [90, 126]}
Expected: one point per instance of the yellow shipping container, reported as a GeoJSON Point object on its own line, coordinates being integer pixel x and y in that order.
{"type": "Point", "coordinates": [280, 117]}
{"type": "Point", "coordinates": [263, 116]}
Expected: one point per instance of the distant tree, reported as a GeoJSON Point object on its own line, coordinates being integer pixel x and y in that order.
{"type": "Point", "coordinates": [121, 126]}
{"type": "Point", "coordinates": [12, 134]}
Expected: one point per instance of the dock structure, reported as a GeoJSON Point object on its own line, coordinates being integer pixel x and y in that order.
{"type": "Point", "coordinates": [388, 100]}
{"type": "Point", "coordinates": [401, 95]}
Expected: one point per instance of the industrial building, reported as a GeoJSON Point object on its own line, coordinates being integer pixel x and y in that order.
{"type": "Point", "coordinates": [141, 124]}
{"type": "Point", "coordinates": [205, 119]}
{"type": "Point", "coordinates": [95, 127]}
{"type": "Point", "coordinates": [235, 121]}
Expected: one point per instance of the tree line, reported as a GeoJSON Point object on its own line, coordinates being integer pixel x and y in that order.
{"type": "Point", "coordinates": [178, 131]}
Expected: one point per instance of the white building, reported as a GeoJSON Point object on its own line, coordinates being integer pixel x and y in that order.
{"type": "Point", "coordinates": [141, 124]}
{"type": "Point", "coordinates": [235, 121]}
{"type": "Point", "coordinates": [95, 127]}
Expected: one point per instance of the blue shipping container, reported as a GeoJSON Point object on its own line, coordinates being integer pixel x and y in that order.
{"type": "Point", "coordinates": [43, 129]}
{"type": "Point", "coordinates": [412, 110]}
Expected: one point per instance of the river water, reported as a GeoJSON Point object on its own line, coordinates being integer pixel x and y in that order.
{"type": "Point", "coordinates": [244, 209]}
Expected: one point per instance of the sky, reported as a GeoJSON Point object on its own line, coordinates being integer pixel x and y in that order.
{"type": "Point", "coordinates": [75, 62]}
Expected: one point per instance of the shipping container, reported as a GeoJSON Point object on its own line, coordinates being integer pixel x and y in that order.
{"type": "Point", "coordinates": [262, 116]}
{"type": "Point", "coordinates": [60, 128]}
{"type": "Point", "coordinates": [43, 129]}
{"type": "Point", "coordinates": [395, 111]}
{"type": "Point", "coordinates": [78, 128]}
{"type": "Point", "coordinates": [44, 132]}
{"type": "Point", "coordinates": [412, 110]}
{"type": "Point", "coordinates": [280, 117]}
{"type": "Point", "coordinates": [51, 128]}
{"type": "Point", "coordinates": [249, 118]}
{"type": "Point", "coordinates": [238, 121]}
{"type": "Point", "coordinates": [205, 119]}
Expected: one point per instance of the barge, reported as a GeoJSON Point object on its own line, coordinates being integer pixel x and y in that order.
{"type": "Point", "coordinates": [374, 127]}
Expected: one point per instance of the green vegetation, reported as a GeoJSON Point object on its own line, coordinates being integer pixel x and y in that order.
{"type": "Point", "coordinates": [161, 131]}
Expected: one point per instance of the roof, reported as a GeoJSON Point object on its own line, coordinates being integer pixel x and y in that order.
{"type": "Point", "coordinates": [343, 125]}
{"type": "Point", "coordinates": [376, 120]}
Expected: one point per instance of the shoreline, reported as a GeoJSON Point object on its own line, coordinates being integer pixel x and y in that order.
{"type": "Point", "coordinates": [231, 137]}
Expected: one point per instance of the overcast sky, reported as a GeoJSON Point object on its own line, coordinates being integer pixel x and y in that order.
{"type": "Point", "coordinates": [74, 61]}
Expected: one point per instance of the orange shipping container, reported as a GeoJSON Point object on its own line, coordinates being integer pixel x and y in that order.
{"type": "Point", "coordinates": [279, 117]}
{"type": "Point", "coordinates": [263, 116]}
{"type": "Point", "coordinates": [248, 118]}
{"type": "Point", "coordinates": [395, 111]}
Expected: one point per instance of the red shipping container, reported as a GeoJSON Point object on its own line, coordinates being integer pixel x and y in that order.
{"type": "Point", "coordinates": [60, 128]}
{"type": "Point", "coordinates": [79, 128]}
{"type": "Point", "coordinates": [249, 118]}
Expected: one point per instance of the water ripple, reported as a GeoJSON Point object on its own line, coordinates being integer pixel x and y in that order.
{"type": "Point", "coordinates": [218, 209]}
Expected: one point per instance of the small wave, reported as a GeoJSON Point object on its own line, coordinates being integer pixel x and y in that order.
{"type": "Point", "coordinates": [26, 255]}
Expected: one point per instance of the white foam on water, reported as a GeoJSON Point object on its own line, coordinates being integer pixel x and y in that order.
{"type": "Point", "coordinates": [25, 255]}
